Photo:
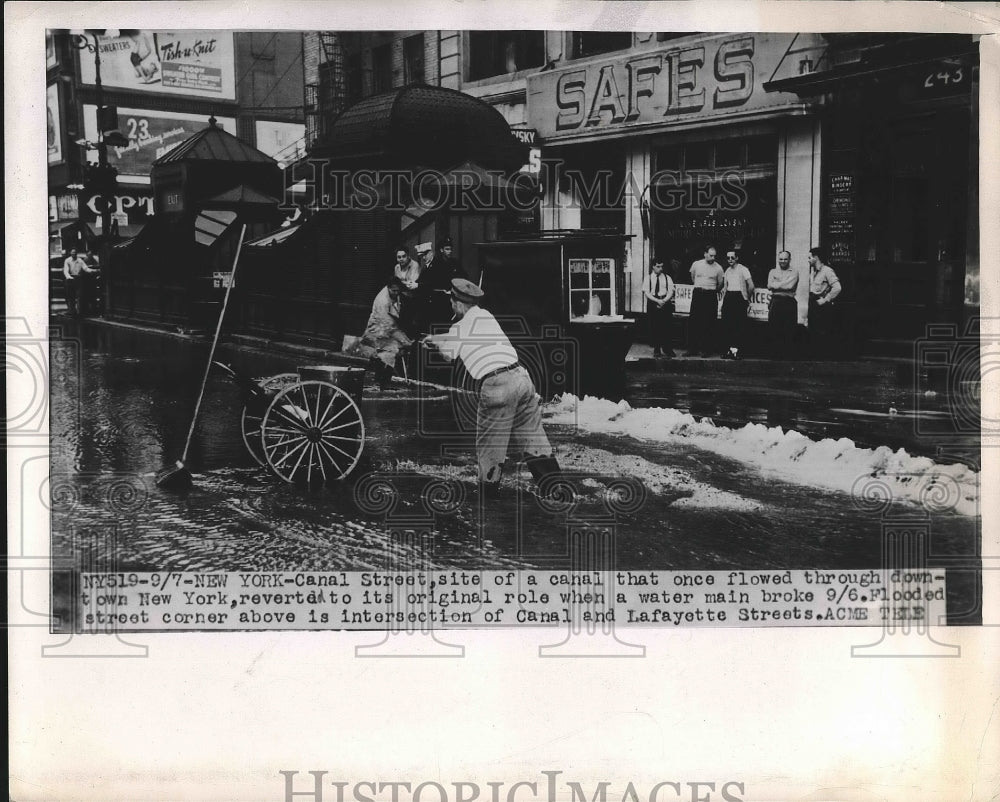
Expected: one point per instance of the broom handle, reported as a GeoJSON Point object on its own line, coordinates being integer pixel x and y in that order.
{"type": "Point", "coordinates": [215, 341]}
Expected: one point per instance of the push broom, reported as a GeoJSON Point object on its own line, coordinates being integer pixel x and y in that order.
{"type": "Point", "coordinates": [178, 477]}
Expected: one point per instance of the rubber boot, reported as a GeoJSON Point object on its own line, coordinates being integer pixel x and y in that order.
{"type": "Point", "coordinates": [542, 467]}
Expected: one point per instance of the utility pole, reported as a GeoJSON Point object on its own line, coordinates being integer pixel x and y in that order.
{"type": "Point", "coordinates": [103, 178]}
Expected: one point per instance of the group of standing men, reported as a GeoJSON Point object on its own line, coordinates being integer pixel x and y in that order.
{"type": "Point", "coordinates": [735, 286]}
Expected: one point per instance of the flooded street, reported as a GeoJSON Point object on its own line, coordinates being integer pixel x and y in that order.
{"type": "Point", "coordinates": [120, 410]}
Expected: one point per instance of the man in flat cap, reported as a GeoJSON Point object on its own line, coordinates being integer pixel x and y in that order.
{"type": "Point", "coordinates": [508, 405]}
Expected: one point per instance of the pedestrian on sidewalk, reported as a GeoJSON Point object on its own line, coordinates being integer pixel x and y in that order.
{"type": "Point", "coordinates": [783, 312]}
{"type": "Point", "coordinates": [75, 272]}
{"type": "Point", "coordinates": [708, 280]}
{"type": "Point", "coordinates": [659, 291]}
{"type": "Point", "coordinates": [507, 409]}
{"type": "Point", "coordinates": [736, 301]}
{"type": "Point", "coordinates": [824, 287]}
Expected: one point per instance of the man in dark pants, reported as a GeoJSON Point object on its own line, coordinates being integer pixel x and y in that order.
{"type": "Point", "coordinates": [824, 287]}
{"type": "Point", "coordinates": [739, 291]}
{"type": "Point", "coordinates": [75, 272]}
{"type": "Point", "coordinates": [783, 313]}
{"type": "Point", "coordinates": [707, 278]}
{"type": "Point", "coordinates": [659, 291]}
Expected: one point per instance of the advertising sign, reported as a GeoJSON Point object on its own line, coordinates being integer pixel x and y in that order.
{"type": "Point", "coordinates": [51, 59]}
{"type": "Point", "coordinates": [200, 63]}
{"type": "Point", "coordinates": [63, 207]}
{"type": "Point", "coordinates": [151, 134]}
{"type": "Point", "coordinates": [283, 142]}
{"type": "Point", "coordinates": [53, 124]}
{"type": "Point", "coordinates": [708, 78]}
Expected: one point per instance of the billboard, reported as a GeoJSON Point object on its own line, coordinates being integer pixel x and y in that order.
{"type": "Point", "coordinates": [151, 134]}
{"type": "Point", "coordinates": [283, 142]}
{"type": "Point", "coordinates": [53, 124]}
{"type": "Point", "coordinates": [200, 63]}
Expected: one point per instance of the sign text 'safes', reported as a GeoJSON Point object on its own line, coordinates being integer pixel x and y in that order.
{"type": "Point", "coordinates": [674, 79]}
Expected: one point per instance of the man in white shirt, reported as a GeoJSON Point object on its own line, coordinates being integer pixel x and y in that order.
{"type": "Point", "coordinates": [708, 281]}
{"type": "Point", "coordinates": [75, 271]}
{"type": "Point", "coordinates": [407, 270]}
{"type": "Point", "coordinates": [739, 291]}
{"type": "Point", "coordinates": [824, 287]}
{"type": "Point", "coordinates": [782, 314]}
{"type": "Point", "coordinates": [659, 291]}
{"type": "Point", "coordinates": [508, 412]}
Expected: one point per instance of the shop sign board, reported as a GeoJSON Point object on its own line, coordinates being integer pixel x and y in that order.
{"type": "Point", "coordinates": [151, 134]}
{"type": "Point", "coordinates": [700, 79]}
{"type": "Point", "coordinates": [193, 63]}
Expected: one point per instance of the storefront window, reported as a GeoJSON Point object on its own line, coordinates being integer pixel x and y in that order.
{"type": "Point", "coordinates": [721, 193]}
{"type": "Point", "coordinates": [494, 53]}
{"type": "Point", "coordinates": [591, 287]}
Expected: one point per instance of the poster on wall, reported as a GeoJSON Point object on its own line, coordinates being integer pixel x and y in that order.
{"type": "Point", "coordinates": [151, 134]}
{"type": "Point", "coordinates": [197, 63]}
{"type": "Point", "coordinates": [284, 142]}
{"type": "Point", "coordinates": [53, 124]}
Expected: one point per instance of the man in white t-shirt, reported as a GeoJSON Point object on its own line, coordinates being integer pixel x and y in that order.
{"type": "Point", "coordinates": [507, 413]}
{"type": "Point", "coordinates": [75, 272]}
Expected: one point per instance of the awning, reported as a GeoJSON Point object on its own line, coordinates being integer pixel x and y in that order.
{"type": "Point", "coordinates": [877, 62]}
{"type": "Point", "coordinates": [422, 125]}
{"type": "Point", "coordinates": [275, 237]}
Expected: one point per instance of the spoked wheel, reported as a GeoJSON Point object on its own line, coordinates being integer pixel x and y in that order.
{"type": "Point", "coordinates": [312, 432]}
{"type": "Point", "coordinates": [253, 415]}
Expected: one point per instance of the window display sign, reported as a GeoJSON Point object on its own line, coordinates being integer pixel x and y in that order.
{"type": "Point", "coordinates": [283, 142]}
{"type": "Point", "coordinates": [200, 63]}
{"type": "Point", "coordinates": [757, 309]}
{"type": "Point", "coordinates": [151, 134]}
{"type": "Point", "coordinates": [53, 124]}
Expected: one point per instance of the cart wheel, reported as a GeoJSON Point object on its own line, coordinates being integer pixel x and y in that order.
{"type": "Point", "coordinates": [312, 431]}
{"type": "Point", "coordinates": [253, 415]}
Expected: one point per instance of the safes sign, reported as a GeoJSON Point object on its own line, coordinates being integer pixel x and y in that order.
{"type": "Point", "coordinates": [710, 77]}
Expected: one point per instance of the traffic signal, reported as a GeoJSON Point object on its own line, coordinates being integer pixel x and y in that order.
{"type": "Point", "coordinates": [101, 179]}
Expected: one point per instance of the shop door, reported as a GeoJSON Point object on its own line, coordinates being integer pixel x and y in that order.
{"type": "Point", "coordinates": [924, 241]}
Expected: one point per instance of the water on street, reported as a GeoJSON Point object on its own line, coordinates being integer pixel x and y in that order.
{"type": "Point", "coordinates": [120, 409]}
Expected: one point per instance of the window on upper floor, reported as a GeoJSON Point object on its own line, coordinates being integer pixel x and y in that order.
{"type": "Point", "coordinates": [413, 59]}
{"type": "Point", "coordinates": [382, 68]}
{"type": "Point", "coordinates": [353, 84]}
{"type": "Point", "coordinates": [592, 43]}
{"type": "Point", "coordinates": [666, 36]}
{"type": "Point", "coordinates": [501, 52]}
